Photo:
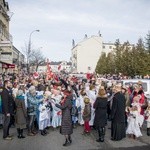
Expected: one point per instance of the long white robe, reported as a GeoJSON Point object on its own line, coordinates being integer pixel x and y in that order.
{"type": "Point", "coordinates": [44, 116]}
{"type": "Point", "coordinates": [92, 96]}
{"type": "Point", "coordinates": [134, 123]}
{"type": "Point", "coordinates": [80, 113]}
{"type": "Point", "coordinates": [56, 114]}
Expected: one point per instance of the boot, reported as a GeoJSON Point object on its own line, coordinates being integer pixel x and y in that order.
{"type": "Point", "coordinates": [21, 132]}
{"type": "Point", "coordinates": [30, 133]}
{"type": "Point", "coordinates": [66, 143]}
{"type": "Point", "coordinates": [43, 133]}
{"type": "Point", "coordinates": [101, 133]}
{"type": "Point", "coordinates": [69, 138]}
{"type": "Point", "coordinates": [148, 131]}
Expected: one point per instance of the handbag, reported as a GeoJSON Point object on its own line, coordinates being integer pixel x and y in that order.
{"type": "Point", "coordinates": [30, 109]}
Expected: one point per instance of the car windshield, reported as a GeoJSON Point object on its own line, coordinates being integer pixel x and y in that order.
{"type": "Point", "coordinates": [144, 85]}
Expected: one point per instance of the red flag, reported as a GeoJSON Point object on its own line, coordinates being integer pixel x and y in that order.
{"type": "Point", "coordinates": [35, 75]}
{"type": "Point", "coordinates": [49, 73]}
{"type": "Point", "coordinates": [59, 67]}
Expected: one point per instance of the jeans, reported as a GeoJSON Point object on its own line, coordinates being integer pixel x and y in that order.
{"type": "Point", "coordinates": [6, 126]}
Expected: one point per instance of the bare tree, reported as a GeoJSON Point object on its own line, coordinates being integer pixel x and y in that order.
{"type": "Point", "coordinates": [37, 58]}
{"type": "Point", "coordinates": [28, 54]}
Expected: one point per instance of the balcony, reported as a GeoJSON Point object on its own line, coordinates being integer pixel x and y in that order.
{"type": "Point", "coordinates": [6, 36]}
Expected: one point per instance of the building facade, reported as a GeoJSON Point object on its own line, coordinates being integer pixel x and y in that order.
{"type": "Point", "coordinates": [56, 67]}
{"type": "Point", "coordinates": [86, 54]}
{"type": "Point", "coordinates": [9, 55]}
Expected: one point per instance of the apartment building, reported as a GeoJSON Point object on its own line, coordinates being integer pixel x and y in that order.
{"type": "Point", "coordinates": [86, 53]}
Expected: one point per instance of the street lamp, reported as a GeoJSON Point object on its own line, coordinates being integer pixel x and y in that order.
{"type": "Point", "coordinates": [29, 45]}
{"type": "Point", "coordinates": [29, 48]}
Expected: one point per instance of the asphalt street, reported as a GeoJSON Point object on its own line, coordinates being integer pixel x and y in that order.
{"type": "Point", "coordinates": [54, 141]}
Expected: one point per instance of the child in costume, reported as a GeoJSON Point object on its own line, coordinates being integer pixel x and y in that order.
{"type": "Point", "coordinates": [87, 115]}
{"type": "Point", "coordinates": [56, 114]}
{"type": "Point", "coordinates": [45, 109]}
{"type": "Point", "coordinates": [135, 119]}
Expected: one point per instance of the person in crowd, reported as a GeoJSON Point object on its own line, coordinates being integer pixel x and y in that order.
{"type": "Point", "coordinates": [45, 109]}
{"type": "Point", "coordinates": [87, 115]}
{"type": "Point", "coordinates": [41, 86]}
{"type": "Point", "coordinates": [74, 111]}
{"type": "Point", "coordinates": [56, 113]}
{"type": "Point", "coordinates": [13, 108]}
{"type": "Point", "coordinates": [139, 91]}
{"type": "Point", "coordinates": [100, 119]}
{"type": "Point", "coordinates": [15, 89]}
{"type": "Point", "coordinates": [66, 124]}
{"type": "Point", "coordinates": [118, 115]}
{"type": "Point", "coordinates": [147, 114]}
{"type": "Point", "coordinates": [134, 121]}
{"type": "Point", "coordinates": [81, 106]}
{"type": "Point", "coordinates": [33, 103]}
{"type": "Point", "coordinates": [91, 93]}
{"type": "Point", "coordinates": [127, 98]}
{"type": "Point", "coordinates": [7, 109]}
{"type": "Point", "coordinates": [21, 113]}
{"type": "Point", "coordinates": [1, 115]}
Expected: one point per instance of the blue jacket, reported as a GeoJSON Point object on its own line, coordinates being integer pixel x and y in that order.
{"type": "Point", "coordinates": [33, 101]}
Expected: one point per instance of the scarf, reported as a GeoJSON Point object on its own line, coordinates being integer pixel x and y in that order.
{"type": "Point", "coordinates": [20, 97]}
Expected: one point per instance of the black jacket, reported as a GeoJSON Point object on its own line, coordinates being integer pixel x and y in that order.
{"type": "Point", "coordinates": [118, 108]}
{"type": "Point", "coordinates": [8, 104]}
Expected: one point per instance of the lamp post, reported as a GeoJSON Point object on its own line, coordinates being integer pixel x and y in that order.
{"type": "Point", "coordinates": [29, 48]}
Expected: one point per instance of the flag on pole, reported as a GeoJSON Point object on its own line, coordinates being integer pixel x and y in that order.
{"type": "Point", "coordinates": [49, 73]}
{"type": "Point", "coordinates": [59, 67]}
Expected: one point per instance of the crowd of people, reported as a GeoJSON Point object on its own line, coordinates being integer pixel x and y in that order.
{"type": "Point", "coordinates": [67, 101]}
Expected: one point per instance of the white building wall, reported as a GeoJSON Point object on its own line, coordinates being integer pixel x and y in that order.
{"type": "Point", "coordinates": [108, 47]}
{"type": "Point", "coordinates": [88, 53]}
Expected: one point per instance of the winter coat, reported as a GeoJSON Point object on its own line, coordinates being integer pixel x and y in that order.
{"type": "Point", "coordinates": [87, 112]}
{"type": "Point", "coordinates": [8, 104]}
{"type": "Point", "coordinates": [66, 124]}
{"type": "Point", "coordinates": [33, 101]}
{"type": "Point", "coordinates": [100, 106]}
{"type": "Point", "coordinates": [118, 108]}
{"type": "Point", "coordinates": [21, 113]}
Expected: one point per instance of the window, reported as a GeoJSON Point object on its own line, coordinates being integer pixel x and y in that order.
{"type": "Point", "coordinates": [103, 47]}
{"type": "Point", "coordinates": [110, 47]}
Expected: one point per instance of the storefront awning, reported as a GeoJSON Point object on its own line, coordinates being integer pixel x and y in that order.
{"type": "Point", "coordinates": [7, 66]}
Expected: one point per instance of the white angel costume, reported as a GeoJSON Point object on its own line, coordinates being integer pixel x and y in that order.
{"type": "Point", "coordinates": [44, 116]}
{"type": "Point", "coordinates": [92, 96]}
{"type": "Point", "coordinates": [81, 104]}
{"type": "Point", "coordinates": [135, 121]}
{"type": "Point", "coordinates": [56, 114]}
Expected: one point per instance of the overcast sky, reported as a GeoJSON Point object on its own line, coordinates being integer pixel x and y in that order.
{"type": "Point", "coordinates": [60, 21]}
